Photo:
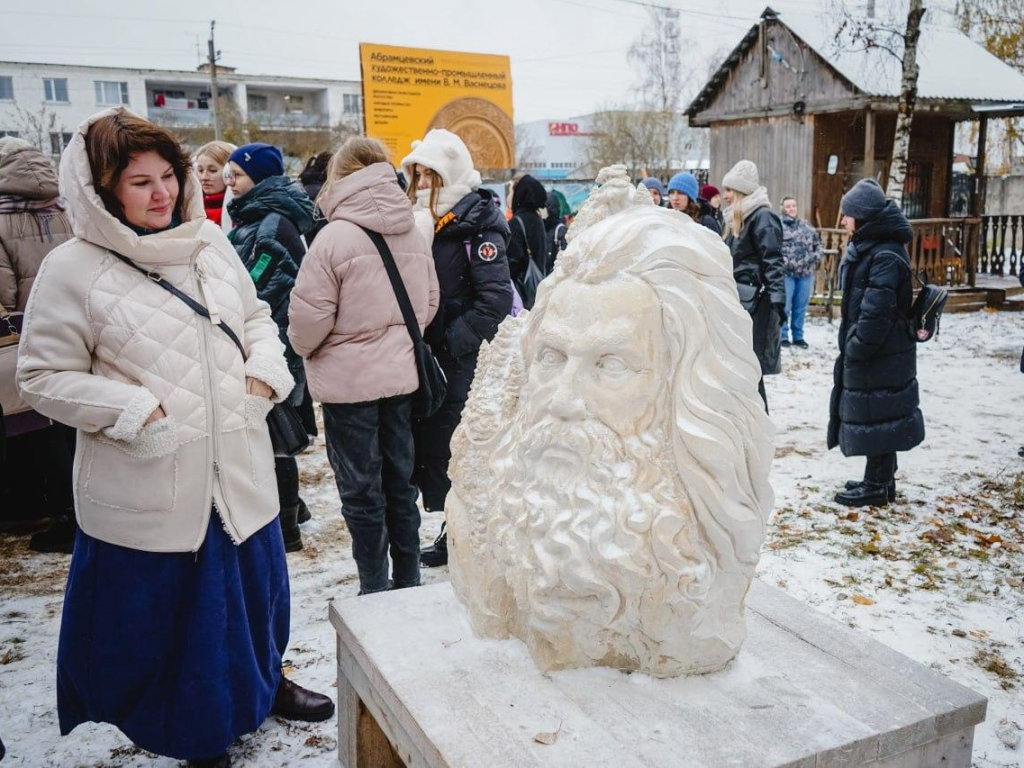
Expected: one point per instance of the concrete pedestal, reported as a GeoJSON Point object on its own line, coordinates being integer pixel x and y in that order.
{"type": "Point", "coordinates": [417, 688]}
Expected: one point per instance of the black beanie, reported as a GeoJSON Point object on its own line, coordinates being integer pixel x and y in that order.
{"type": "Point", "coordinates": [865, 201]}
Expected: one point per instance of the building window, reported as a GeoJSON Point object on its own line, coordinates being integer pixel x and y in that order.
{"type": "Point", "coordinates": [257, 103]}
{"type": "Point", "coordinates": [58, 142]}
{"type": "Point", "coordinates": [56, 89]}
{"type": "Point", "coordinates": [6, 88]}
{"type": "Point", "coordinates": [111, 92]}
{"type": "Point", "coordinates": [351, 104]}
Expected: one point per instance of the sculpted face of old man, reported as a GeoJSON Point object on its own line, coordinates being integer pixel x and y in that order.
{"type": "Point", "coordinates": [610, 474]}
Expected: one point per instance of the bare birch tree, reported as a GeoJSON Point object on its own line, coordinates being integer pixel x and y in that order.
{"type": "Point", "coordinates": [898, 38]}
{"type": "Point", "coordinates": [907, 103]}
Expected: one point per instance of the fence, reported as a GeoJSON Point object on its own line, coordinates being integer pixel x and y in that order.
{"type": "Point", "coordinates": [946, 250]}
{"type": "Point", "coordinates": [1001, 244]}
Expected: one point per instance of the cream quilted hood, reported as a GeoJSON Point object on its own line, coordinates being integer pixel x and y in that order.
{"type": "Point", "coordinates": [104, 346]}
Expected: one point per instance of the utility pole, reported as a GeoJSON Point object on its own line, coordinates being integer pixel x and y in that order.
{"type": "Point", "coordinates": [214, 93]}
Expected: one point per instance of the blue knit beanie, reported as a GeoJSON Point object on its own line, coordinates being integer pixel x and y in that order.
{"type": "Point", "coordinates": [865, 201]}
{"type": "Point", "coordinates": [685, 183]}
{"type": "Point", "coordinates": [653, 183]}
{"type": "Point", "coordinates": [259, 161]}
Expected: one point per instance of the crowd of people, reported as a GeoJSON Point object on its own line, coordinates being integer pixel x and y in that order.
{"type": "Point", "coordinates": [167, 303]}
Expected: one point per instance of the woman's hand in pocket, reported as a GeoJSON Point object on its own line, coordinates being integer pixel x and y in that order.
{"type": "Point", "coordinates": [155, 416]}
{"type": "Point", "coordinates": [257, 388]}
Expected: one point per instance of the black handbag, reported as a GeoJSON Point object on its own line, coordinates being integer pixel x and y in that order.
{"type": "Point", "coordinates": [433, 383]}
{"type": "Point", "coordinates": [749, 295]}
{"type": "Point", "coordinates": [527, 285]}
{"type": "Point", "coordinates": [287, 434]}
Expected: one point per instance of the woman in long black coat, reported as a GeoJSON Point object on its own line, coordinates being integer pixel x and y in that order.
{"type": "Point", "coordinates": [757, 264]}
{"type": "Point", "coordinates": [874, 410]}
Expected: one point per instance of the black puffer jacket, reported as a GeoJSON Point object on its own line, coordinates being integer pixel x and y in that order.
{"type": "Point", "coordinates": [875, 404]}
{"type": "Point", "coordinates": [529, 238]}
{"type": "Point", "coordinates": [476, 292]}
{"type": "Point", "coordinates": [757, 261]}
{"type": "Point", "coordinates": [269, 221]}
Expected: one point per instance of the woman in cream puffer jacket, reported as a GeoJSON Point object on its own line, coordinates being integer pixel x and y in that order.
{"type": "Point", "coordinates": [177, 607]}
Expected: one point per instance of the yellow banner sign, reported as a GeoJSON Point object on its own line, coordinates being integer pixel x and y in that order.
{"type": "Point", "coordinates": [408, 91]}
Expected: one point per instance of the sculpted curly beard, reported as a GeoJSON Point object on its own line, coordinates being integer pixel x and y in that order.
{"type": "Point", "coordinates": [597, 541]}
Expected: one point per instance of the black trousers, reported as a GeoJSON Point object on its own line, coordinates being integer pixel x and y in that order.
{"type": "Point", "coordinates": [881, 469]}
{"type": "Point", "coordinates": [370, 447]}
{"type": "Point", "coordinates": [433, 452]}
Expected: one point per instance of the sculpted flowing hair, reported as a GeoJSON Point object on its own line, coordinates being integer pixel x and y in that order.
{"type": "Point", "coordinates": [721, 438]}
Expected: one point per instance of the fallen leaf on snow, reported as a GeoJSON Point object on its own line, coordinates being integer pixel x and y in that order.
{"type": "Point", "coordinates": [548, 737]}
{"type": "Point", "coordinates": [938, 536]}
{"type": "Point", "coordinates": [861, 600]}
{"type": "Point", "coordinates": [959, 633]}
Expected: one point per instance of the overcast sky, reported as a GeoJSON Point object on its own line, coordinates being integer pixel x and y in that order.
{"type": "Point", "coordinates": [568, 56]}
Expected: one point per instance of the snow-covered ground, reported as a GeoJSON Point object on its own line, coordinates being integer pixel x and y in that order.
{"type": "Point", "coordinates": [937, 576]}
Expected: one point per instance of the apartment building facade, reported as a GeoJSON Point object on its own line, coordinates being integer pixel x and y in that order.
{"type": "Point", "coordinates": [44, 103]}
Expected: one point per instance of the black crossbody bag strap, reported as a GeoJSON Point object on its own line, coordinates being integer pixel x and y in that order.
{"type": "Point", "coordinates": [396, 284]}
{"type": "Point", "coordinates": [194, 305]}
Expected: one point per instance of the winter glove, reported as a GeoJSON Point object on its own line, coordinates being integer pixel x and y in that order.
{"type": "Point", "coordinates": [780, 309]}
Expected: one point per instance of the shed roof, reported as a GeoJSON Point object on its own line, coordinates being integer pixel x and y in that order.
{"type": "Point", "coordinates": [952, 66]}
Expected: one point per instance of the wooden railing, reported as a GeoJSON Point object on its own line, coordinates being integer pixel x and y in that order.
{"type": "Point", "coordinates": [1001, 244]}
{"type": "Point", "coordinates": [946, 250]}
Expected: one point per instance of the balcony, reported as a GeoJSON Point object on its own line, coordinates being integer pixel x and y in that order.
{"type": "Point", "coordinates": [189, 117]}
{"type": "Point", "coordinates": [294, 119]}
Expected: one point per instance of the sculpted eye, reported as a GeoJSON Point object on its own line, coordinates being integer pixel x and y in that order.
{"type": "Point", "coordinates": [612, 364]}
{"type": "Point", "coordinates": [550, 357]}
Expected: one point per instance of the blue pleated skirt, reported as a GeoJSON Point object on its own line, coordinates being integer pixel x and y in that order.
{"type": "Point", "coordinates": [180, 651]}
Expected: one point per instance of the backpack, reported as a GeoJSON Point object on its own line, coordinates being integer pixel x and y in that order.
{"type": "Point", "coordinates": [926, 311]}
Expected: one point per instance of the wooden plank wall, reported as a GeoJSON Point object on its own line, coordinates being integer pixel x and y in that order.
{"type": "Point", "coordinates": [807, 79]}
{"type": "Point", "coordinates": [782, 149]}
{"type": "Point", "coordinates": [843, 134]}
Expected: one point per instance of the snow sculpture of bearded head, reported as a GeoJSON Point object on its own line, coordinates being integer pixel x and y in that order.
{"type": "Point", "coordinates": [610, 475]}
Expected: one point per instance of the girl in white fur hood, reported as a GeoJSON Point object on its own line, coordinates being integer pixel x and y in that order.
{"type": "Point", "coordinates": [469, 236]}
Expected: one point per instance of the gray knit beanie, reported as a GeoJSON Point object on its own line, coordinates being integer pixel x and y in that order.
{"type": "Point", "coordinates": [865, 201]}
{"type": "Point", "coordinates": [742, 178]}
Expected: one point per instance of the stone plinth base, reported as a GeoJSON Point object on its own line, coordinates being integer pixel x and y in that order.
{"type": "Point", "coordinates": [417, 688]}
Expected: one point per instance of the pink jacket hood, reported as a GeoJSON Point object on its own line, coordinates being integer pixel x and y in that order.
{"type": "Point", "coordinates": [370, 198]}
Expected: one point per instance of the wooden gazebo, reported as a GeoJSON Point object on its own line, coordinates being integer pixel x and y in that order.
{"type": "Point", "coordinates": [816, 118]}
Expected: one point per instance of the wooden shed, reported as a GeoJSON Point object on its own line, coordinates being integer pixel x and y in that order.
{"type": "Point", "coordinates": [816, 116]}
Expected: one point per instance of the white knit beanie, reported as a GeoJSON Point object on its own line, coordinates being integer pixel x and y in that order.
{"type": "Point", "coordinates": [742, 178]}
{"type": "Point", "coordinates": [446, 155]}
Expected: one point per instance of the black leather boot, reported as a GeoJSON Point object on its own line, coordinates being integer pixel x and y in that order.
{"type": "Point", "coordinates": [436, 555]}
{"type": "Point", "coordinates": [58, 537]}
{"type": "Point", "coordinates": [890, 489]}
{"type": "Point", "coordinates": [864, 495]}
{"type": "Point", "coordinates": [289, 519]}
{"type": "Point", "coordinates": [304, 514]}
{"type": "Point", "coordinates": [224, 761]}
{"type": "Point", "coordinates": [293, 702]}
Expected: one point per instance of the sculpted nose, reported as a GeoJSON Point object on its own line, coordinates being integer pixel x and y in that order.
{"type": "Point", "coordinates": [566, 403]}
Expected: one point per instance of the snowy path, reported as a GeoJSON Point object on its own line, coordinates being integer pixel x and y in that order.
{"type": "Point", "coordinates": [938, 576]}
